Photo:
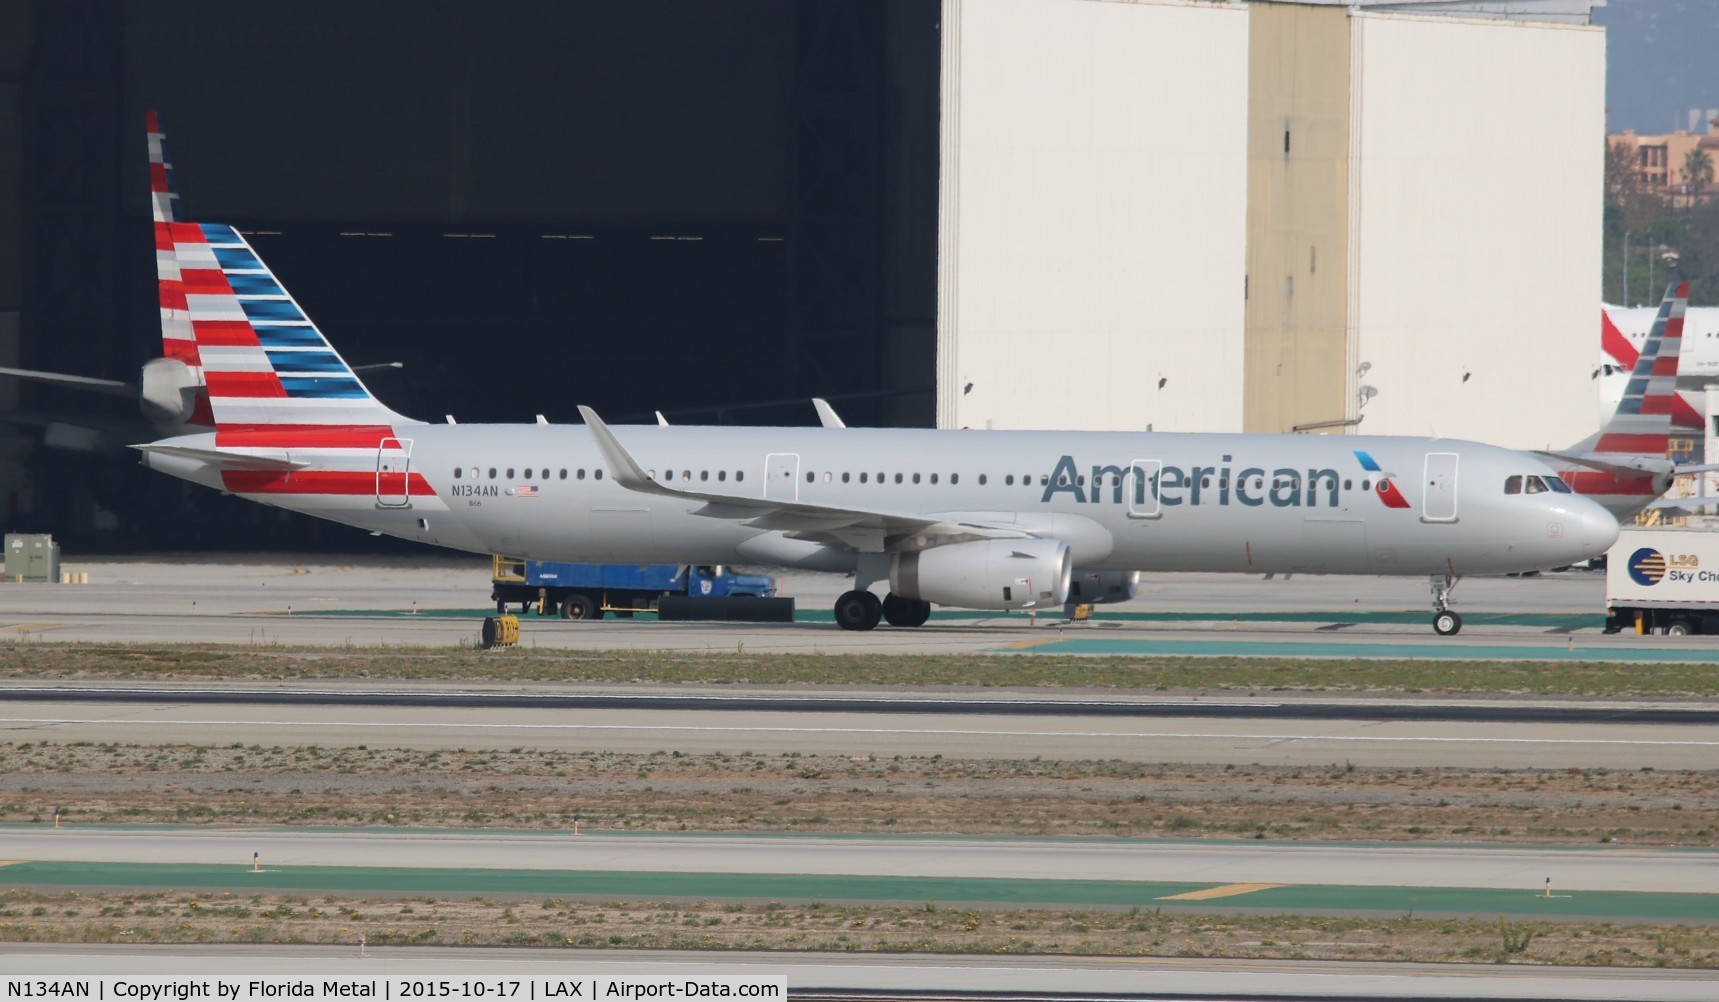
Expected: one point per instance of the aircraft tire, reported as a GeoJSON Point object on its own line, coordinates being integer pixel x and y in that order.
{"type": "Point", "coordinates": [858, 610]}
{"type": "Point", "coordinates": [578, 607]}
{"type": "Point", "coordinates": [1446, 623]}
{"type": "Point", "coordinates": [898, 611]}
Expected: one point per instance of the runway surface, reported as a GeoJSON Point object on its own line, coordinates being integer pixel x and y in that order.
{"type": "Point", "coordinates": [262, 602]}
{"type": "Point", "coordinates": [823, 973]}
{"type": "Point", "coordinates": [1597, 868]}
{"type": "Point", "coordinates": [1216, 739]}
{"type": "Point", "coordinates": [736, 698]}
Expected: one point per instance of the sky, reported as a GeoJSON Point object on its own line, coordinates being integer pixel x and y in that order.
{"type": "Point", "coordinates": [1662, 58]}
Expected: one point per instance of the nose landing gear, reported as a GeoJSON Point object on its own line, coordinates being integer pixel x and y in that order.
{"type": "Point", "coordinates": [1445, 622]}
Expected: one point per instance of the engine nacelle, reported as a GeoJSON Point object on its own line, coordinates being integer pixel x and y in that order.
{"type": "Point", "coordinates": [169, 391]}
{"type": "Point", "coordinates": [1100, 587]}
{"type": "Point", "coordinates": [987, 574]}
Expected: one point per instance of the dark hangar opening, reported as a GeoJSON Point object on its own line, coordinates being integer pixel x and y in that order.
{"type": "Point", "coordinates": [713, 210]}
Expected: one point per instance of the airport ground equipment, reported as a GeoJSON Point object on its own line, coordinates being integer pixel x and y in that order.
{"type": "Point", "coordinates": [588, 591]}
{"type": "Point", "coordinates": [1663, 580]}
{"type": "Point", "coordinates": [32, 558]}
{"type": "Point", "coordinates": [500, 631]}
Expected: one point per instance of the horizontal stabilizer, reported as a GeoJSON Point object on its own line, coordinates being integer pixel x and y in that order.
{"type": "Point", "coordinates": [223, 460]}
{"type": "Point", "coordinates": [112, 387]}
{"type": "Point", "coordinates": [1618, 463]}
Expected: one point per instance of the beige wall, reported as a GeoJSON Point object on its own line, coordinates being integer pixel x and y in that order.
{"type": "Point", "coordinates": [1478, 168]}
{"type": "Point", "coordinates": [1092, 215]}
{"type": "Point", "coordinates": [1297, 217]}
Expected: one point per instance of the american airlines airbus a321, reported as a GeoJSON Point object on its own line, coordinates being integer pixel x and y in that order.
{"type": "Point", "coordinates": [974, 519]}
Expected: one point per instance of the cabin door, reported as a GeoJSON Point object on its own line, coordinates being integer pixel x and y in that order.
{"type": "Point", "coordinates": [393, 472]}
{"type": "Point", "coordinates": [782, 476]}
{"type": "Point", "coordinates": [1439, 488]}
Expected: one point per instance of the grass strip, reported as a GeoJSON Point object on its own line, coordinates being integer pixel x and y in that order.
{"type": "Point", "coordinates": [1162, 673]}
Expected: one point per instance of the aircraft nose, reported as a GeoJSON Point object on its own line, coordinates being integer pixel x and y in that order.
{"type": "Point", "coordinates": [1599, 529]}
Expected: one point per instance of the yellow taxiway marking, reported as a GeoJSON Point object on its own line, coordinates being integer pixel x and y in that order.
{"type": "Point", "coordinates": [27, 627]}
{"type": "Point", "coordinates": [1226, 891]}
{"type": "Point", "coordinates": [1021, 645]}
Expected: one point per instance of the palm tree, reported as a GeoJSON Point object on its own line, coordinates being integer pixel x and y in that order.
{"type": "Point", "coordinates": [1697, 171]}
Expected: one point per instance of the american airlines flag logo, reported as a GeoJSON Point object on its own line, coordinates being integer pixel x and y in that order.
{"type": "Point", "coordinates": [525, 491]}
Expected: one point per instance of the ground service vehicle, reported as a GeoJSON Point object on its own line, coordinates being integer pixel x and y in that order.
{"type": "Point", "coordinates": [1663, 580]}
{"type": "Point", "coordinates": [587, 591]}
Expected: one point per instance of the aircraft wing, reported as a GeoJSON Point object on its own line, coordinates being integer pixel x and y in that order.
{"type": "Point", "coordinates": [865, 530]}
{"type": "Point", "coordinates": [224, 460]}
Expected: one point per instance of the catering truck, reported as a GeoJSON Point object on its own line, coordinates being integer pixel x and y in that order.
{"type": "Point", "coordinates": [1663, 580]}
{"type": "Point", "coordinates": [587, 591]}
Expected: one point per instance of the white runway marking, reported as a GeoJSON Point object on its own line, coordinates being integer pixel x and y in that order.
{"type": "Point", "coordinates": [452, 725]}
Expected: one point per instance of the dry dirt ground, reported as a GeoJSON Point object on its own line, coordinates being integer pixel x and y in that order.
{"type": "Point", "coordinates": [256, 784]}
{"type": "Point", "coordinates": [29, 916]}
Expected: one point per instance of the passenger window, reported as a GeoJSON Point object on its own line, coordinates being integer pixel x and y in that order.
{"type": "Point", "coordinates": [739, 475]}
{"type": "Point", "coordinates": [510, 473]}
{"type": "Point", "coordinates": [1512, 485]}
{"type": "Point", "coordinates": [827, 476]}
{"type": "Point", "coordinates": [1044, 480]}
{"type": "Point", "coordinates": [581, 474]}
{"type": "Point", "coordinates": [597, 474]}
{"type": "Point", "coordinates": [898, 478]}
{"type": "Point", "coordinates": [981, 480]}
{"type": "Point", "coordinates": [1009, 481]}
{"type": "Point", "coordinates": [722, 474]}
{"type": "Point", "coordinates": [564, 473]}
{"type": "Point", "coordinates": [1347, 485]}
{"type": "Point", "coordinates": [845, 477]}
{"type": "Point", "coordinates": [954, 478]}
{"type": "Point", "coordinates": [492, 473]}
{"type": "Point", "coordinates": [809, 476]}
{"type": "Point", "coordinates": [528, 473]}
{"type": "Point", "coordinates": [862, 477]}
{"type": "Point", "coordinates": [668, 474]}
{"type": "Point", "coordinates": [916, 478]}
{"type": "Point", "coordinates": [934, 478]}
{"type": "Point", "coordinates": [1366, 485]}
{"type": "Point", "coordinates": [456, 473]}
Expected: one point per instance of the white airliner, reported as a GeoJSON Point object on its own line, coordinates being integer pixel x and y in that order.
{"type": "Point", "coordinates": [974, 519]}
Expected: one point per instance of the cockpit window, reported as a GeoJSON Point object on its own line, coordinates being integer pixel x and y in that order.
{"type": "Point", "coordinates": [1512, 485]}
{"type": "Point", "coordinates": [1558, 486]}
{"type": "Point", "coordinates": [1534, 485]}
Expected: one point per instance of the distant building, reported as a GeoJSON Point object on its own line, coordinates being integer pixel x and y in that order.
{"type": "Point", "coordinates": [1659, 160]}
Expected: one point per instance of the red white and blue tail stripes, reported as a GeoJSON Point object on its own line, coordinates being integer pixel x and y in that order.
{"type": "Point", "coordinates": [1642, 423]}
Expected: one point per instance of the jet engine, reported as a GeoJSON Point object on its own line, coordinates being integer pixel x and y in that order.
{"type": "Point", "coordinates": [1099, 587]}
{"type": "Point", "coordinates": [169, 391]}
{"type": "Point", "coordinates": [987, 574]}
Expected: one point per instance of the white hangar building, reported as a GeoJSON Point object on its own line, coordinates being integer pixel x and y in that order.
{"type": "Point", "coordinates": [1271, 215]}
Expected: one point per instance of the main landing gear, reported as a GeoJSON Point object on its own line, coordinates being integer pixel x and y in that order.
{"type": "Point", "coordinates": [861, 610]}
{"type": "Point", "coordinates": [1445, 622]}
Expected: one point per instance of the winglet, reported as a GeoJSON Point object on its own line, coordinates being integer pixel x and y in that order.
{"type": "Point", "coordinates": [662, 421]}
{"type": "Point", "coordinates": [827, 415]}
{"type": "Point", "coordinates": [626, 471]}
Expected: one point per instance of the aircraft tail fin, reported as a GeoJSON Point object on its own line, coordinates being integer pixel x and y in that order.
{"type": "Point", "coordinates": [1641, 426]}
{"type": "Point", "coordinates": [250, 356]}
{"type": "Point", "coordinates": [264, 362]}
